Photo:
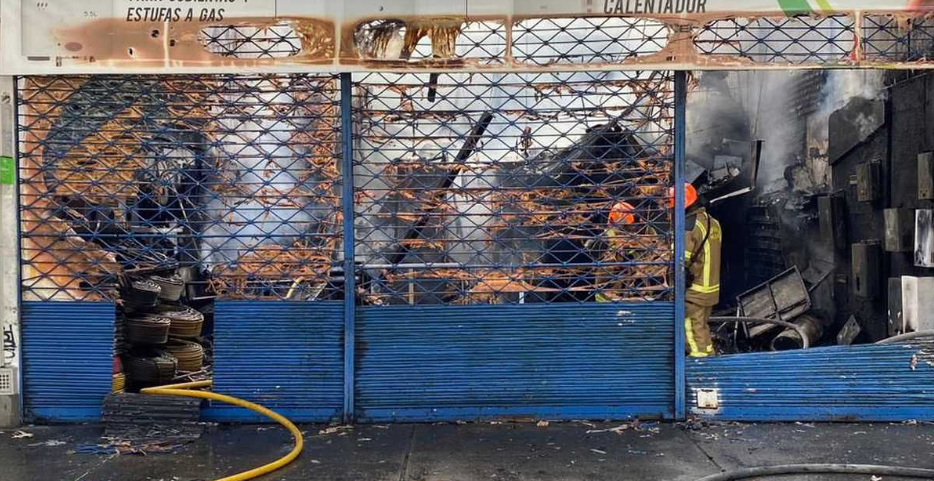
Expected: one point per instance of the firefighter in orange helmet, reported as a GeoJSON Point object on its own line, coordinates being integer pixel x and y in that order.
{"type": "Point", "coordinates": [702, 272]}
{"type": "Point", "coordinates": [613, 245]}
{"type": "Point", "coordinates": [622, 213]}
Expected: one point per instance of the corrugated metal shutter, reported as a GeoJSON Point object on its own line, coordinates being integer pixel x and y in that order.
{"type": "Point", "coordinates": [68, 350]}
{"type": "Point", "coordinates": [540, 360]}
{"type": "Point", "coordinates": [871, 382]}
{"type": "Point", "coordinates": [287, 356]}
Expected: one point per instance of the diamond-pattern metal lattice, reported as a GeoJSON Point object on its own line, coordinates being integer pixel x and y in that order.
{"type": "Point", "coordinates": [249, 41]}
{"type": "Point", "coordinates": [887, 38]}
{"type": "Point", "coordinates": [482, 42]}
{"type": "Point", "coordinates": [794, 40]}
{"type": "Point", "coordinates": [497, 187]}
{"type": "Point", "coordinates": [230, 181]}
{"type": "Point", "coordinates": [546, 41]}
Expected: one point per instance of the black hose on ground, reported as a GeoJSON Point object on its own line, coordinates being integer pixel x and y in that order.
{"type": "Point", "coordinates": [761, 320]}
{"type": "Point", "coordinates": [786, 469]}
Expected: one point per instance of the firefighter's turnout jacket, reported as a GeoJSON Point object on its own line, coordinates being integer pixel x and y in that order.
{"type": "Point", "coordinates": [702, 257]}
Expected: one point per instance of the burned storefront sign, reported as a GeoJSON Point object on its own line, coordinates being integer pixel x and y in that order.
{"type": "Point", "coordinates": [478, 35]}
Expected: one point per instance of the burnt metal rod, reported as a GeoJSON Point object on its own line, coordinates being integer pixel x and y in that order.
{"type": "Point", "coordinates": [470, 145]}
{"type": "Point", "coordinates": [432, 87]}
{"type": "Point", "coordinates": [401, 250]}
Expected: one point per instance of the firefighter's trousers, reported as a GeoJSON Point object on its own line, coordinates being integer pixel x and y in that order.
{"type": "Point", "coordinates": [698, 342]}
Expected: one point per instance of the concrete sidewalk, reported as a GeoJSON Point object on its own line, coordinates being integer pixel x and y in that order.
{"type": "Point", "coordinates": [473, 452]}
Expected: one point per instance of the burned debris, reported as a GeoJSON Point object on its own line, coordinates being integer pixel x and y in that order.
{"type": "Point", "coordinates": [227, 187]}
{"type": "Point", "coordinates": [469, 205]}
{"type": "Point", "coordinates": [166, 193]}
{"type": "Point", "coordinates": [832, 232]}
{"type": "Point", "coordinates": [161, 193]}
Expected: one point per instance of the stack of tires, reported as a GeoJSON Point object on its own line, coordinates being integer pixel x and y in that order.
{"type": "Point", "coordinates": [159, 338]}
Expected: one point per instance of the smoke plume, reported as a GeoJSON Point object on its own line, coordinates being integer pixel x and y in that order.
{"type": "Point", "coordinates": [772, 106]}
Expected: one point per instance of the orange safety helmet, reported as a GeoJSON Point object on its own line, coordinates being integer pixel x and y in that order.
{"type": "Point", "coordinates": [690, 196]}
{"type": "Point", "coordinates": [623, 213]}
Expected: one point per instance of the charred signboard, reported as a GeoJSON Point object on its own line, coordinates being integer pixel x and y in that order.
{"type": "Point", "coordinates": [474, 35]}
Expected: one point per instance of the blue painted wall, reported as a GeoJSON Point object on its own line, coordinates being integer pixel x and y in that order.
{"type": "Point", "coordinates": [287, 356]}
{"type": "Point", "coordinates": [868, 383]}
{"type": "Point", "coordinates": [553, 361]}
{"type": "Point", "coordinates": [68, 352]}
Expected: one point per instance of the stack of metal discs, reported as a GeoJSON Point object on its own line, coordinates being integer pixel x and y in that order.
{"type": "Point", "coordinates": [141, 295]}
{"type": "Point", "coordinates": [190, 355]}
{"type": "Point", "coordinates": [147, 329]}
{"type": "Point", "coordinates": [157, 335]}
{"type": "Point", "coordinates": [186, 322]}
{"type": "Point", "coordinates": [172, 287]}
{"type": "Point", "coordinates": [150, 367]}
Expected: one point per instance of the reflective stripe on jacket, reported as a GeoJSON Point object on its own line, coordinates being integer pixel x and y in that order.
{"type": "Point", "coordinates": [705, 290]}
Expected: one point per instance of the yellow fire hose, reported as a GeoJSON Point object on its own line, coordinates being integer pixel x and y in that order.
{"type": "Point", "coordinates": [187, 390]}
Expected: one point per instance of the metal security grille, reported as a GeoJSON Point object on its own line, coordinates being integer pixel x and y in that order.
{"type": "Point", "coordinates": [799, 40]}
{"type": "Point", "coordinates": [805, 40]}
{"type": "Point", "coordinates": [501, 195]}
{"type": "Point", "coordinates": [888, 38]}
{"type": "Point", "coordinates": [497, 188]}
{"type": "Point", "coordinates": [232, 180]}
{"type": "Point", "coordinates": [571, 40]}
{"type": "Point", "coordinates": [246, 41]}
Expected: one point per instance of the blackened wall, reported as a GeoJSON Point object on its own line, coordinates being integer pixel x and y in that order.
{"type": "Point", "coordinates": [908, 130]}
{"type": "Point", "coordinates": [912, 133]}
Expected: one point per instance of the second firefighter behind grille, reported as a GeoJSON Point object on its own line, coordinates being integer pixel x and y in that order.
{"type": "Point", "coordinates": [627, 239]}
{"type": "Point", "coordinates": [702, 272]}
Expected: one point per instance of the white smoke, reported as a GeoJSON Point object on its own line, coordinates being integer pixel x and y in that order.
{"type": "Point", "coordinates": [840, 87]}
{"type": "Point", "coordinates": [764, 102]}
{"type": "Point", "coordinates": [745, 105]}
{"type": "Point", "coordinates": [768, 97]}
